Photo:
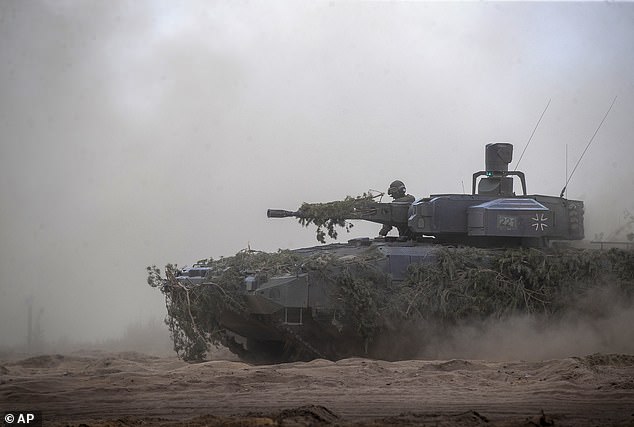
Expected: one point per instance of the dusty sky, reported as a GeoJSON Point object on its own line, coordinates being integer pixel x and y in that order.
{"type": "Point", "coordinates": [145, 132]}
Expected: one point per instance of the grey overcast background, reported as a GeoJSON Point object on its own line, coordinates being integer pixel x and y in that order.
{"type": "Point", "coordinates": [146, 132]}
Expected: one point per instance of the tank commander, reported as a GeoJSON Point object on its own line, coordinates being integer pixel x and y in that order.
{"type": "Point", "coordinates": [398, 193]}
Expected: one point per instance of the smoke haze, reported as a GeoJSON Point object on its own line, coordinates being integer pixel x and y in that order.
{"type": "Point", "coordinates": [148, 132]}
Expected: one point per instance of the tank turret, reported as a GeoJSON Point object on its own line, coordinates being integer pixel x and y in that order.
{"type": "Point", "coordinates": [491, 216]}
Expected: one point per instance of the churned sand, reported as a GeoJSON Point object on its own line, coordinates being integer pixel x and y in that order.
{"type": "Point", "coordinates": [102, 388]}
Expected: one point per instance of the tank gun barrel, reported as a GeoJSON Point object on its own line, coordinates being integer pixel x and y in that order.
{"type": "Point", "coordinates": [281, 213]}
{"type": "Point", "coordinates": [395, 213]}
{"type": "Point", "coordinates": [366, 214]}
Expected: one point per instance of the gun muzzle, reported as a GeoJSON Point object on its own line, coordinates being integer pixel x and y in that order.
{"type": "Point", "coordinates": [280, 213]}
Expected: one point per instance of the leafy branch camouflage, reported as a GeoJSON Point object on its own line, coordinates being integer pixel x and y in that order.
{"type": "Point", "coordinates": [327, 216]}
{"type": "Point", "coordinates": [475, 283]}
{"type": "Point", "coordinates": [462, 284]}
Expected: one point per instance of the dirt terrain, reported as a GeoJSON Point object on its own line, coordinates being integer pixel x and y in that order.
{"type": "Point", "coordinates": [116, 389]}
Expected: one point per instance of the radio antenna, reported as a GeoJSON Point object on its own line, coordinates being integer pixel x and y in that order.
{"type": "Point", "coordinates": [566, 180]}
{"type": "Point", "coordinates": [531, 137]}
{"type": "Point", "coordinates": [586, 149]}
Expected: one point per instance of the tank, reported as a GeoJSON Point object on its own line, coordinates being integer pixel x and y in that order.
{"type": "Point", "coordinates": [458, 257]}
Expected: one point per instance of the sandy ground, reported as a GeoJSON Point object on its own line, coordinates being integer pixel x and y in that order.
{"type": "Point", "coordinates": [101, 388]}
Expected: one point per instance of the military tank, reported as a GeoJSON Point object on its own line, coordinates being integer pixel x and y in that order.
{"type": "Point", "coordinates": [457, 257]}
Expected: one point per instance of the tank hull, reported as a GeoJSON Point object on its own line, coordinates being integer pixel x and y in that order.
{"type": "Point", "coordinates": [378, 298]}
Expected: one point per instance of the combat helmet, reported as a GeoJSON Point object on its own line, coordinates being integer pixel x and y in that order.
{"type": "Point", "coordinates": [397, 189]}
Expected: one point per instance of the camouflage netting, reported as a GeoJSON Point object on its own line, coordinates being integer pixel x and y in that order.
{"type": "Point", "coordinates": [463, 284]}
{"type": "Point", "coordinates": [327, 216]}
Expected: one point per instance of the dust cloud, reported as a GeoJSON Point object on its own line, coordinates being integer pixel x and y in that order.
{"type": "Point", "coordinates": [150, 337]}
{"type": "Point", "coordinates": [600, 322]}
{"type": "Point", "coordinates": [145, 132]}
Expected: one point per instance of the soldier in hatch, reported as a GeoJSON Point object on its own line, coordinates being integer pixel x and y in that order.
{"type": "Point", "coordinates": [398, 193]}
